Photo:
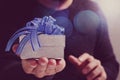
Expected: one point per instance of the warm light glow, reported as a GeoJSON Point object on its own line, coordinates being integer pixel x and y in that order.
{"type": "Point", "coordinates": [111, 8]}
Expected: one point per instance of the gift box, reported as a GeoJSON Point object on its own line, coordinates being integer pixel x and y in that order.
{"type": "Point", "coordinates": [52, 46]}
{"type": "Point", "coordinates": [41, 37]}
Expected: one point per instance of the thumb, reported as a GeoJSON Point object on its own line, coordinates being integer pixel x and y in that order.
{"type": "Point", "coordinates": [14, 48]}
{"type": "Point", "coordinates": [74, 60]}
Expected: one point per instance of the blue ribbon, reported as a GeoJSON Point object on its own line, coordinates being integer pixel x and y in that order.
{"type": "Point", "coordinates": [45, 25]}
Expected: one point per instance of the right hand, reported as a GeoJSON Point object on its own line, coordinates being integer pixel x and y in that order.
{"type": "Point", "coordinates": [43, 66]}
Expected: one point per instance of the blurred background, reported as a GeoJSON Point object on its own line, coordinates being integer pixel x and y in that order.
{"type": "Point", "coordinates": [111, 9]}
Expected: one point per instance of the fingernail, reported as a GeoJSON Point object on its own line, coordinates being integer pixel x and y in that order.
{"type": "Point", "coordinates": [52, 62]}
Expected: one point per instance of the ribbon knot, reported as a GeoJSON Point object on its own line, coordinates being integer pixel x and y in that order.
{"type": "Point", "coordinates": [45, 25]}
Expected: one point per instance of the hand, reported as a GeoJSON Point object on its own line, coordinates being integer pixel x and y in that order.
{"type": "Point", "coordinates": [89, 66]}
{"type": "Point", "coordinates": [43, 66]}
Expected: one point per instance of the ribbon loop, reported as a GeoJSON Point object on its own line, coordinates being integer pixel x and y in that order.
{"type": "Point", "coordinates": [45, 25]}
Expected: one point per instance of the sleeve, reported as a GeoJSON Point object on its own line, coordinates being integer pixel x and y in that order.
{"type": "Point", "coordinates": [11, 69]}
{"type": "Point", "coordinates": [104, 51]}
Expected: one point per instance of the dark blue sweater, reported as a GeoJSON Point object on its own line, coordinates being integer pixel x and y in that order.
{"type": "Point", "coordinates": [91, 39]}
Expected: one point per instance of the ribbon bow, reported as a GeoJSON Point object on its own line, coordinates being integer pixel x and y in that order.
{"type": "Point", "coordinates": [45, 25]}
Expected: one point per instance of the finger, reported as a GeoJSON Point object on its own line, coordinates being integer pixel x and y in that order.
{"type": "Point", "coordinates": [39, 71]}
{"type": "Point", "coordinates": [95, 73]}
{"type": "Point", "coordinates": [60, 65]}
{"type": "Point", "coordinates": [28, 65]}
{"type": "Point", "coordinates": [14, 48]}
{"type": "Point", "coordinates": [89, 67]}
{"type": "Point", "coordinates": [102, 76]}
{"type": "Point", "coordinates": [74, 60]}
{"type": "Point", "coordinates": [85, 57]}
{"type": "Point", "coordinates": [51, 67]}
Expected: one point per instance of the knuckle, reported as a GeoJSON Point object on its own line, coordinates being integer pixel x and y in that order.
{"type": "Point", "coordinates": [98, 62]}
{"type": "Point", "coordinates": [86, 54]}
{"type": "Point", "coordinates": [89, 67]}
{"type": "Point", "coordinates": [91, 58]}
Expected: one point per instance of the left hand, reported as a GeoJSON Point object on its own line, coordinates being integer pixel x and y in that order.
{"type": "Point", "coordinates": [43, 66]}
{"type": "Point", "coordinates": [89, 66]}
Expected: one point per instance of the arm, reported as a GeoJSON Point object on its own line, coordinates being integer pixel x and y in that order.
{"type": "Point", "coordinates": [104, 52]}
{"type": "Point", "coordinates": [102, 65]}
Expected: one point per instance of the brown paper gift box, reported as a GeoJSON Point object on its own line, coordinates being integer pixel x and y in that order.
{"type": "Point", "coordinates": [52, 46]}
